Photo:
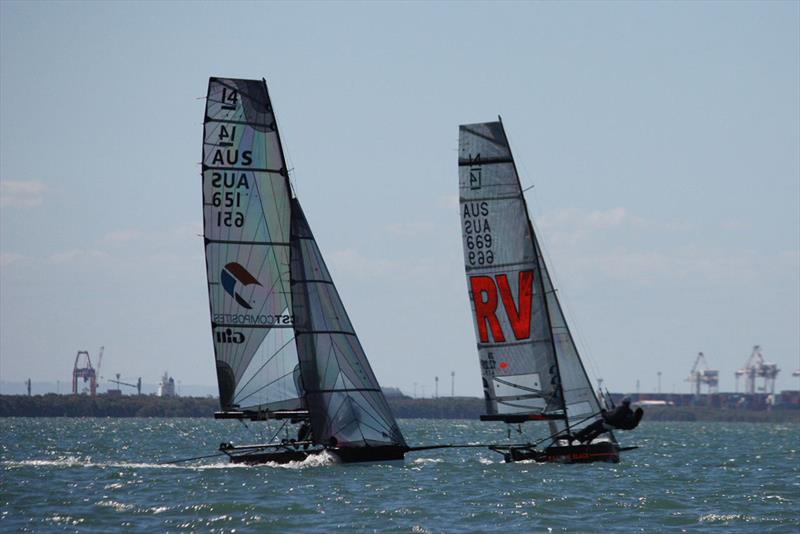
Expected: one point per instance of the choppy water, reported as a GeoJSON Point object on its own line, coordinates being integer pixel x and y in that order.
{"type": "Point", "coordinates": [102, 475]}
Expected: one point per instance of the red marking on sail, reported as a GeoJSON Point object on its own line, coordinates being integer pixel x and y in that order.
{"type": "Point", "coordinates": [519, 317]}
{"type": "Point", "coordinates": [503, 365]}
{"type": "Point", "coordinates": [484, 294]}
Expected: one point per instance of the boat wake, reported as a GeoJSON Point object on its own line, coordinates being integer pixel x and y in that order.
{"type": "Point", "coordinates": [74, 461]}
{"type": "Point", "coordinates": [423, 461]}
{"type": "Point", "coordinates": [321, 459]}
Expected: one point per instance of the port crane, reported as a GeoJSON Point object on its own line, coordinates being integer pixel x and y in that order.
{"type": "Point", "coordinates": [83, 369]}
{"type": "Point", "coordinates": [757, 367]}
{"type": "Point", "coordinates": [137, 385]}
{"type": "Point", "coordinates": [701, 374]}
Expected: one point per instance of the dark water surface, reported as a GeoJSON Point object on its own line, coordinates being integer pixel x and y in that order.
{"type": "Point", "coordinates": [102, 475]}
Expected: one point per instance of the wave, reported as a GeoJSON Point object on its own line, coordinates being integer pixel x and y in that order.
{"type": "Point", "coordinates": [73, 461]}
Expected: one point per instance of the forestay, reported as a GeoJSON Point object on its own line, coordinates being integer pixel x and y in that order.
{"type": "Point", "coordinates": [246, 219]}
{"type": "Point", "coordinates": [529, 362]}
{"type": "Point", "coordinates": [346, 404]}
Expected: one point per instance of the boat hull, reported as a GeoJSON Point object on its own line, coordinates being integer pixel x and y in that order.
{"type": "Point", "coordinates": [345, 455]}
{"type": "Point", "coordinates": [569, 454]}
{"type": "Point", "coordinates": [277, 457]}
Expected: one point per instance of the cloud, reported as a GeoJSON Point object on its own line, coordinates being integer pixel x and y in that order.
{"type": "Point", "coordinates": [76, 255]}
{"type": "Point", "coordinates": [572, 225]}
{"type": "Point", "coordinates": [122, 237]}
{"type": "Point", "coordinates": [411, 229]}
{"type": "Point", "coordinates": [7, 258]}
{"type": "Point", "coordinates": [18, 194]}
{"type": "Point", "coordinates": [350, 262]}
{"type": "Point", "coordinates": [621, 246]}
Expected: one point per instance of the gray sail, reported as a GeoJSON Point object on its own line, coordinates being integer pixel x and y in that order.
{"type": "Point", "coordinates": [579, 397]}
{"type": "Point", "coordinates": [529, 363]}
{"type": "Point", "coordinates": [246, 219]}
{"type": "Point", "coordinates": [346, 404]}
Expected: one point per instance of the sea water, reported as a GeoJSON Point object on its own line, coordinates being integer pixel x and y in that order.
{"type": "Point", "coordinates": [104, 475]}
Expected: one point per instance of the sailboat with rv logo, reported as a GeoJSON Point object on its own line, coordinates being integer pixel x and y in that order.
{"type": "Point", "coordinates": [530, 367]}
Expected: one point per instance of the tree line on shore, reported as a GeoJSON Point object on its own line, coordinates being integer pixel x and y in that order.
{"type": "Point", "coordinates": [52, 405]}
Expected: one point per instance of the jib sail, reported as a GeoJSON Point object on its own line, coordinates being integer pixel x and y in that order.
{"type": "Point", "coordinates": [346, 404]}
{"type": "Point", "coordinates": [529, 362]}
{"type": "Point", "coordinates": [246, 219]}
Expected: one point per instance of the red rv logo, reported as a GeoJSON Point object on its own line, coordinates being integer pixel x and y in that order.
{"type": "Point", "coordinates": [484, 293]}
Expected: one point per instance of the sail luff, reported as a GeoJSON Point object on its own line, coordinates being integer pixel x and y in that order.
{"type": "Point", "coordinates": [283, 171]}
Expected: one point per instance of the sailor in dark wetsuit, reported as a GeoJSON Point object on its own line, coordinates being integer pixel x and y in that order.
{"type": "Point", "coordinates": [620, 418]}
{"type": "Point", "coordinates": [304, 434]}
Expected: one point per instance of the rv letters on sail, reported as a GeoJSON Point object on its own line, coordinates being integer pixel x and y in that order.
{"type": "Point", "coordinates": [485, 291]}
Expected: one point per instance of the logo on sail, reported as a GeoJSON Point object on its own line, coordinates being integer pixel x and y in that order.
{"type": "Point", "coordinates": [484, 294]}
{"type": "Point", "coordinates": [234, 275]}
{"type": "Point", "coordinates": [229, 336]}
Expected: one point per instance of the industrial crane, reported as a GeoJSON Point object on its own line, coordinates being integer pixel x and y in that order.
{"type": "Point", "coordinates": [85, 371]}
{"type": "Point", "coordinates": [701, 374]}
{"type": "Point", "coordinates": [137, 385]}
{"type": "Point", "coordinates": [757, 367]}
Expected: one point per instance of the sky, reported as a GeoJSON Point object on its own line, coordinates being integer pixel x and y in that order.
{"type": "Point", "coordinates": [662, 141]}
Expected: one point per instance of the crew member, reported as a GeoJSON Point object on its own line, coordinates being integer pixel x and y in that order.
{"type": "Point", "coordinates": [620, 418]}
{"type": "Point", "coordinates": [304, 433]}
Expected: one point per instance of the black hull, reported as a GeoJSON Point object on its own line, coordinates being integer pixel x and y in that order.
{"type": "Point", "coordinates": [277, 457]}
{"type": "Point", "coordinates": [345, 455]}
{"type": "Point", "coordinates": [571, 454]}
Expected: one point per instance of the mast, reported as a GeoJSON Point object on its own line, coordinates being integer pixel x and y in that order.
{"type": "Point", "coordinates": [540, 265]}
{"type": "Point", "coordinates": [283, 171]}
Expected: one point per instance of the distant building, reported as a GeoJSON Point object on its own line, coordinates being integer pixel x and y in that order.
{"type": "Point", "coordinates": [166, 388]}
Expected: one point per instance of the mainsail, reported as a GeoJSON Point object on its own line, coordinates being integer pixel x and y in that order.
{"type": "Point", "coordinates": [246, 219]}
{"type": "Point", "coordinates": [529, 362]}
{"type": "Point", "coordinates": [283, 343]}
{"type": "Point", "coordinates": [345, 401]}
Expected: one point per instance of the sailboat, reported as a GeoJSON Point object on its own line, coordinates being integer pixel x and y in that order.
{"type": "Point", "coordinates": [530, 366]}
{"type": "Point", "coordinates": [284, 346]}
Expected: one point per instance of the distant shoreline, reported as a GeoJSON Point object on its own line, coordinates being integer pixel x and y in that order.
{"type": "Point", "coordinates": [53, 405]}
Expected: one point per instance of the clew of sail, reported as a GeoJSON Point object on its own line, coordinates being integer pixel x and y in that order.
{"type": "Point", "coordinates": [246, 220]}
{"type": "Point", "coordinates": [345, 401]}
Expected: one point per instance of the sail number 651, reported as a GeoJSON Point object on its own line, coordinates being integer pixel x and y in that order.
{"type": "Point", "coordinates": [230, 218]}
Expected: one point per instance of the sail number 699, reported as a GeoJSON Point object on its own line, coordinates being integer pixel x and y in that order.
{"type": "Point", "coordinates": [479, 241]}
